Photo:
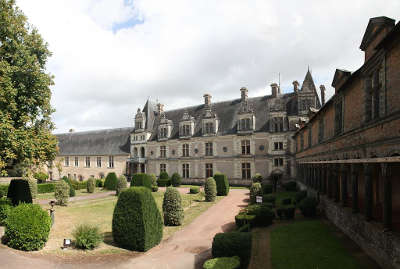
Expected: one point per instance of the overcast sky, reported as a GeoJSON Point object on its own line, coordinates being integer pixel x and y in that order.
{"type": "Point", "coordinates": [110, 56]}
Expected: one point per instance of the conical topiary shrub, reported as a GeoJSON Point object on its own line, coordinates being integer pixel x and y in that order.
{"type": "Point", "coordinates": [111, 182]}
{"type": "Point", "coordinates": [137, 223]}
{"type": "Point", "coordinates": [121, 184]}
{"type": "Point", "coordinates": [210, 189]}
{"type": "Point", "coordinates": [222, 184]}
{"type": "Point", "coordinates": [172, 207]}
{"type": "Point", "coordinates": [90, 185]}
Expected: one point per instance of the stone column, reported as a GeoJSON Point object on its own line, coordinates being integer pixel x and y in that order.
{"type": "Point", "coordinates": [354, 188]}
{"type": "Point", "coordinates": [387, 196]}
{"type": "Point", "coordinates": [323, 176]}
{"type": "Point", "coordinates": [343, 182]}
{"type": "Point", "coordinates": [368, 191]}
{"type": "Point", "coordinates": [336, 177]}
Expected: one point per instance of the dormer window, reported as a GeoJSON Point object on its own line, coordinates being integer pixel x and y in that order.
{"type": "Point", "coordinates": [165, 128]}
{"type": "Point", "coordinates": [140, 119]}
{"type": "Point", "coordinates": [208, 128]}
{"type": "Point", "coordinates": [186, 130]}
{"type": "Point", "coordinates": [186, 126]}
{"type": "Point", "coordinates": [163, 132]}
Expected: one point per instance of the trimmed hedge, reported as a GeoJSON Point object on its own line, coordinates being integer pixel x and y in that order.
{"type": "Point", "coordinates": [242, 219]}
{"type": "Point", "coordinates": [4, 189]}
{"type": "Point", "coordinates": [164, 175]}
{"type": "Point", "coordinates": [255, 190]}
{"type": "Point", "coordinates": [164, 182]}
{"type": "Point", "coordinates": [269, 198]}
{"type": "Point", "coordinates": [40, 177]}
{"type": "Point", "coordinates": [111, 182]}
{"type": "Point", "coordinates": [194, 189]}
{"type": "Point", "coordinates": [308, 207]}
{"type": "Point", "coordinates": [61, 192]}
{"type": "Point", "coordinates": [267, 188]}
{"type": "Point", "coordinates": [222, 263]}
{"type": "Point", "coordinates": [137, 223]}
{"type": "Point", "coordinates": [176, 180]}
{"type": "Point", "coordinates": [121, 184]}
{"type": "Point", "coordinates": [27, 227]}
{"type": "Point", "coordinates": [90, 185]}
{"type": "Point", "coordinates": [257, 178]}
{"type": "Point", "coordinates": [5, 207]}
{"type": "Point", "coordinates": [99, 183]}
{"type": "Point", "coordinates": [300, 196]}
{"type": "Point", "coordinates": [222, 184]}
{"type": "Point", "coordinates": [153, 179]}
{"type": "Point", "coordinates": [172, 207]}
{"type": "Point", "coordinates": [210, 189]}
{"type": "Point", "coordinates": [141, 179]}
{"type": "Point", "coordinates": [32, 187]}
{"type": "Point", "coordinates": [71, 187]}
{"type": "Point", "coordinates": [233, 244]}
{"type": "Point", "coordinates": [19, 192]}
{"type": "Point", "coordinates": [46, 187]}
{"type": "Point", "coordinates": [154, 188]}
{"type": "Point", "coordinates": [290, 186]}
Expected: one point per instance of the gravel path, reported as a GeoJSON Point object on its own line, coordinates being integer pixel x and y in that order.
{"type": "Point", "coordinates": [187, 248]}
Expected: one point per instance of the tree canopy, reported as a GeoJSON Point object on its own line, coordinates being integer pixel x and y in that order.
{"type": "Point", "coordinates": [26, 137]}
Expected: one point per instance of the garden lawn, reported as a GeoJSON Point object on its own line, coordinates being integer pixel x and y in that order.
{"type": "Point", "coordinates": [308, 244]}
{"type": "Point", "coordinates": [100, 212]}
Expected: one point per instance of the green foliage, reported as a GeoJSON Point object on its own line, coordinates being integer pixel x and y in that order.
{"type": "Point", "coordinates": [25, 115]}
{"type": "Point", "coordinates": [308, 207]}
{"type": "Point", "coordinates": [164, 182]}
{"type": "Point", "coordinates": [233, 244]}
{"type": "Point", "coordinates": [222, 184]}
{"type": "Point", "coordinates": [222, 263]}
{"type": "Point", "coordinates": [153, 179]}
{"type": "Point", "coordinates": [267, 188]}
{"type": "Point", "coordinates": [257, 178]}
{"type": "Point", "coordinates": [269, 198]}
{"type": "Point", "coordinates": [172, 207]}
{"type": "Point", "coordinates": [176, 180]}
{"type": "Point", "coordinates": [90, 185]}
{"type": "Point", "coordinates": [290, 186]}
{"type": "Point", "coordinates": [242, 219]}
{"type": "Point", "coordinates": [137, 223]}
{"type": "Point", "coordinates": [61, 192]}
{"type": "Point", "coordinates": [27, 227]}
{"type": "Point", "coordinates": [71, 186]}
{"type": "Point", "coordinates": [5, 207]}
{"type": "Point", "coordinates": [255, 190]}
{"type": "Point", "coordinates": [33, 187]}
{"type": "Point", "coordinates": [46, 187]}
{"type": "Point", "coordinates": [99, 183]}
{"type": "Point", "coordinates": [41, 177]}
{"type": "Point", "coordinates": [300, 195]}
{"type": "Point", "coordinates": [194, 189]}
{"type": "Point", "coordinates": [1, 193]}
{"type": "Point", "coordinates": [154, 188]}
{"type": "Point", "coordinates": [111, 182]}
{"type": "Point", "coordinates": [121, 184]}
{"type": "Point", "coordinates": [19, 192]}
{"type": "Point", "coordinates": [87, 236]}
{"type": "Point", "coordinates": [141, 179]}
{"type": "Point", "coordinates": [4, 189]}
{"type": "Point", "coordinates": [164, 175]}
{"type": "Point", "coordinates": [210, 189]}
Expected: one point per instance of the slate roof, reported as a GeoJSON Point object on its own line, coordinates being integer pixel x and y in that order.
{"type": "Point", "coordinates": [99, 142]}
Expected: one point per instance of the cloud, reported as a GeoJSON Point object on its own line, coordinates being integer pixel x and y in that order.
{"type": "Point", "coordinates": [110, 56]}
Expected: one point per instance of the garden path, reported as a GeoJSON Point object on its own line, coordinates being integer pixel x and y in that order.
{"type": "Point", "coordinates": [187, 248]}
{"type": "Point", "coordinates": [80, 198]}
{"type": "Point", "coordinates": [260, 249]}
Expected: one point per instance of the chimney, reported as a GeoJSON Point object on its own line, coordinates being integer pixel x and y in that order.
{"type": "Point", "coordinates": [160, 108]}
{"type": "Point", "coordinates": [296, 86]}
{"type": "Point", "coordinates": [71, 130]}
{"type": "Point", "coordinates": [322, 88]}
{"type": "Point", "coordinates": [243, 94]}
{"type": "Point", "coordinates": [207, 99]}
{"type": "Point", "coordinates": [275, 89]}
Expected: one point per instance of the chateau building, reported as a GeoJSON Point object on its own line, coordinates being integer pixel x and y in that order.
{"type": "Point", "coordinates": [239, 138]}
{"type": "Point", "coordinates": [349, 150]}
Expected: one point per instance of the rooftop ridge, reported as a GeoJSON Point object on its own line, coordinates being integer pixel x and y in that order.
{"type": "Point", "coordinates": [95, 131]}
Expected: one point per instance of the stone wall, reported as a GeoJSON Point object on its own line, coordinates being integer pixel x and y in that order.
{"type": "Point", "coordinates": [383, 246]}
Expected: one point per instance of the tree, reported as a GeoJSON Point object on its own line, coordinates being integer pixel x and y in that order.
{"type": "Point", "coordinates": [25, 124]}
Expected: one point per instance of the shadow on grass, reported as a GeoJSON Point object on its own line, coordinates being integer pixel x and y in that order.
{"type": "Point", "coordinates": [108, 239]}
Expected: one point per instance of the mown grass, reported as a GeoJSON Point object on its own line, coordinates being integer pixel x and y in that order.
{"type": "Point", "coordinates": [309, 244]}
{"type": "Point", "coordinates": [82, 192]}
{"type": "Point", "coordinates": [100, 211]}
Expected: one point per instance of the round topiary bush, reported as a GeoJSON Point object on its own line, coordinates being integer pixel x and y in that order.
{"type": "Point", "coordinates": [61, 192]}
{"type": "Point", "coordinates": [308, 207]}
{"type": "Point", "coordinates": [255, 190]}
{"type": "Point", "coordinates": [87, 236]}
{"type": "Point", "coordinates": [176, 180]}
{"type": "Point", "coordinates": [99, 183]}
{"type": "Point", "coordinates": [153, 179]}
{"type": "Point", "coordinates": [164, 182]}
{"type": "Point", "coordinates": [222, 184]}
{"type": "Point", "coordinates": [210, 189]}
{"type": "Point", "coordinates": [90, 185]}
{"type": "Point", "coordinates": [137, 223]}
{"type": "Point", "coordinates": [194, 189]}
{"type": "Point", "coordinates": [231, 244]}
{"type": "Point", "coordinates": [27, 227]}
{"type": "Point", "coordinates": [223, 263]}
{"type": "Point", "coordinates": [111, 182]}
{"type": "Point", "coordinates": [164, 175]}
{"type": "Point", "coordinates": [257, 178]}
{"type": "Point", "coordinates": [154, 188]}
{"type": "Point", "coordinates": [121, 184]}
{"type": "Point", "coordinates": [172, 207]}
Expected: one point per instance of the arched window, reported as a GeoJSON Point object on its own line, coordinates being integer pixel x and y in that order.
{"type": "Point", "coordinates": [135, 152]}
{"type": "Point", "coordinates": [142, 152]}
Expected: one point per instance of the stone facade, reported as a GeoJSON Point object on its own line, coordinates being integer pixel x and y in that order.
{"type": "Point", "coordinates": [349, 150]}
